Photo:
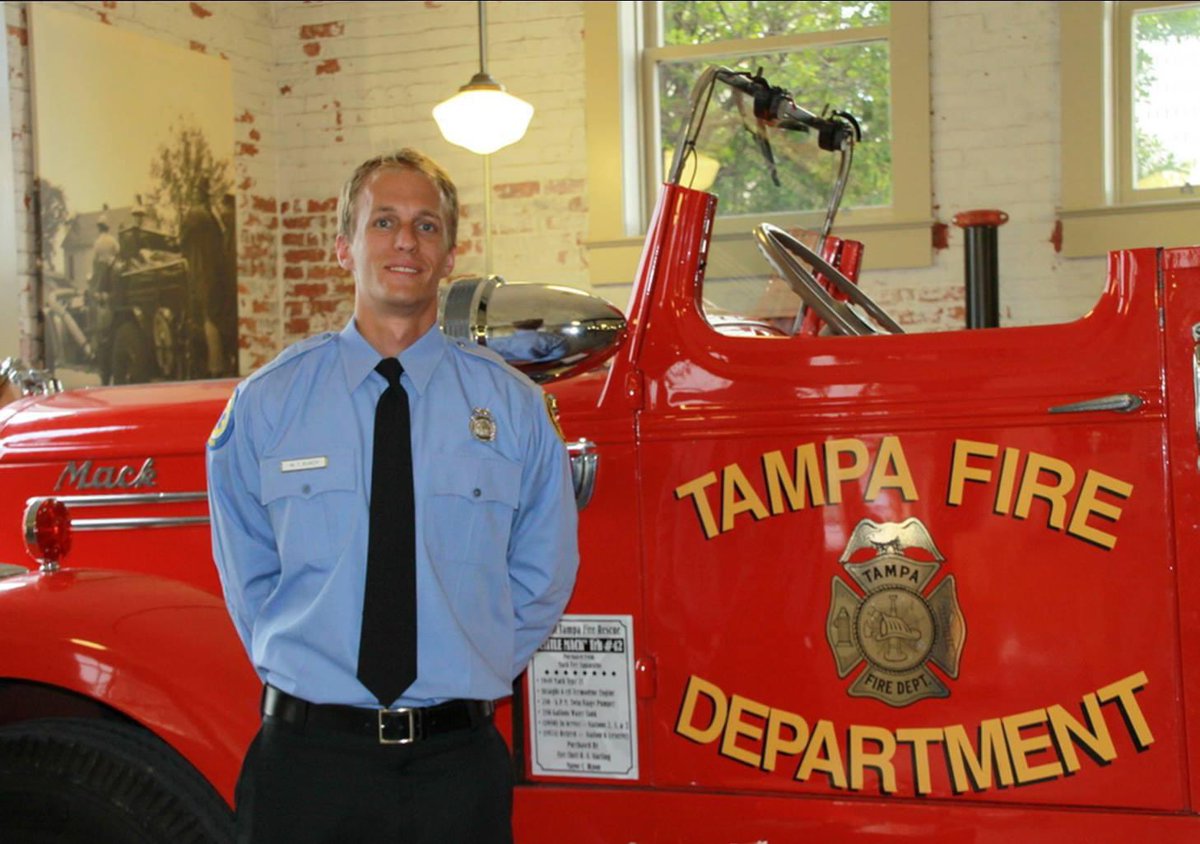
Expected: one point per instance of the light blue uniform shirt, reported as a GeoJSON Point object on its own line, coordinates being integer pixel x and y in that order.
{"type": "Point", "coordinates": [289, 475]}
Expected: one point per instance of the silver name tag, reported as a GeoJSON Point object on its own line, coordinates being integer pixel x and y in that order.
{"type": "Point", "coordinates": [302, 463]}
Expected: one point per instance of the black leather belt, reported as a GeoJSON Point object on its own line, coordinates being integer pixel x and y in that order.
{"type": "Point", "coordinates": [389, 726]}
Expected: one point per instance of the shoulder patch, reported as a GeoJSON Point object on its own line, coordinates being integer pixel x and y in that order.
{"type": "Point", "coordinates": [552, 412]}
{"type": "Point", "coordinates": [224, 427]}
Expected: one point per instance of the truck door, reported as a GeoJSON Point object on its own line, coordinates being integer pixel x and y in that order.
{"type": "Point", "coordinates": [910, 565]}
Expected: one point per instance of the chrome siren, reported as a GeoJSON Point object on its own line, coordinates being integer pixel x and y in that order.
{"type": "Point", "coordinates": [546, 331]}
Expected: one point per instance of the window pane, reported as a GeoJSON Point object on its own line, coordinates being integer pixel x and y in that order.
{"type": "Point", "coordinates": [706, 22]}
{"type": "Point", "coordinates": [1166, 113]}
{"type": "Point", "coordinates": [851, 77]}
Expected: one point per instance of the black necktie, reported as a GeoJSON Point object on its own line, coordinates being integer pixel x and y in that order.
{"type": "Point", "coordinates": [387, 651]}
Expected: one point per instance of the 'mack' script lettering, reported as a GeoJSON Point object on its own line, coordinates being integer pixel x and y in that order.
{"type": "Point", "coordinates": [815, 475]}
{"type": "Point", "coordinates": [86, 476]}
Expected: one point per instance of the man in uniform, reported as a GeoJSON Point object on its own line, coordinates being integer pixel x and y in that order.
{"type": "Point", "coordinates": [312, 483]}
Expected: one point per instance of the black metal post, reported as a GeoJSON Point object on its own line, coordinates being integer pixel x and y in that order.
{"type": "Point", "coordinates": [981, 265]}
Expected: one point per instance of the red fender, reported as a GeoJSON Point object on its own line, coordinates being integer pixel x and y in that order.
{"type": "Point", "coordinates": [161, 652]}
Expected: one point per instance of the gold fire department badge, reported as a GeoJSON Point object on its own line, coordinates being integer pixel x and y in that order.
{"type": "Point", "coordinates": [895, 626]}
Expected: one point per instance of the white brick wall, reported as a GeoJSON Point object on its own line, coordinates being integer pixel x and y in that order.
{"type": "Point", "coordinates": [320, 86]}
{"type": "Point", "coordinates": [240, 32]}
{"type": "Point", "coordinates": [995, 144]}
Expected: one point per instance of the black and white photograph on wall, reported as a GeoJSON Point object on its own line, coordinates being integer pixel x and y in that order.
{"type": "Point", "coordinates": [136, 231]}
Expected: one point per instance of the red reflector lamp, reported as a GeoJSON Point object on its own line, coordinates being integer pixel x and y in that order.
{"type": "Point", "coordinates": [47, 532]}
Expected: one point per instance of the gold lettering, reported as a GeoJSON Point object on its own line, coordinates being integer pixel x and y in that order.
{"type": "Point", "coordinates": [1096, 741]}
{"type": "Point", "coordinates": [835, 473]}
{"type": "Point", "coordinates": [737, 496]}
{"type": "Point", "coordinates": [735, 727]}
{"type": "Point", "coordinates": [823, 741]}
{"type": "Point", "coordinates": [1021, 746]}
{"type": "Point", "coordinates": [695, 489]}
{"type": "Point", "coordinates": [920, 738]}
{"type": "Point", "coordinates": [891, 454]}
{"type": "Point", "coordinates": [781, 482]}
{"type": "Point", "coordinates": [961, 471]}
{"type": "Point", "coordinates": [992, 753]}
{"type": "Point", "coordinates": [880, 760]}
{"type": "Point", "coordinates": [1054, 493]}
{"type": "Point", "coordinates": [1008, 477]}
{"type": "Point", "coordinates": [1088, 503]}
{"type": "Point", "coordinates": [776, 743]}
{"type": "Point", "coordinates": [1122, 692]}
{"type": "Point", "coordinates": [695, 688]}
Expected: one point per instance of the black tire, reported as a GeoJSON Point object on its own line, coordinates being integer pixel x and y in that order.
{"type": "Point", "coordinates": [131, 355]}
{"type": "Point", "coordinates": [75, 781]}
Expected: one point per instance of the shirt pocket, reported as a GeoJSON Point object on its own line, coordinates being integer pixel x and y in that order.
{"type": "Point", "coordinates": [471, 509]}
{"type": "Point", "coordinates": [304, 503]}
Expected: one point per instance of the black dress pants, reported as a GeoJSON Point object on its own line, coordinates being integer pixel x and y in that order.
{"type": "Point", "coordinates": [301, 785]}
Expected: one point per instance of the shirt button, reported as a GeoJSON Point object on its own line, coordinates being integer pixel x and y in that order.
{"type": "Point", "coordinates": [476, 492]}
{"type": "Point", "coordinates": [306, 489]}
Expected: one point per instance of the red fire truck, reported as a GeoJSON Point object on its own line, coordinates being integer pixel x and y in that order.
{"type": "Point", "coordinates": [838, 582]}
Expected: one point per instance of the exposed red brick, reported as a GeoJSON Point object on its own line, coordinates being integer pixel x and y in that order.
{"type": "Point", "coordinates": [285, 89]}
{"type": "Point", "coordinates": [247, 149]}
{"type": "Point", "coordinates": [297, 222]}
{"type": "Point", "coordinates": [245, 184]}
{"type": "Point", "coordinates": [255, 135]}
{"type": "Point", "coordinates": [21, 34]}
{"type": "Point", "coordinates": [261, 307]}
{"type": "Point", "coordinates": [337, 139]}
{"type": "Point", "coordinates": [312, 48]}
{"type": "Point", "coordinates": [298, 256]}
{"type": "Point", "coordinates": [297, 325]}
{"type": "Point", "coordinates": [941, 236]}
{"type": "Point", "coordinates": [326, 271]}
{"type": "Point", "coordinates": [109, 4]}
{"type": "Point", "coordinates": [321, 30]}
{"type": "Point", "coordinates": [310, 291]}
{"type": "Point", "coordinates": [328, 66]}
{"type": "Point", "coordinates": [576, 204]}
{"type": "Point", "coordinates": [293, 239]}
{"type": "Point", "coordinates": [103, 16]}
{"type": "Point", "coordinates": [517, 190]}
{"type": "Point", "coordinates": [322, 206]}
{"type": "Point", "coordinates": [1056, 236]}
{"type": "Point", "coordinates": [198, 47]}
{"type": "Point", "coordinates": [326, 306]}
{"type": "Point", "coordinates": [244, 117]}
{"type": "Point", "coordinates": [199, 11]}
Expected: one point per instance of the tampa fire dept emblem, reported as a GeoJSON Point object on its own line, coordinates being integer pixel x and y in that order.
{"type": "Point", "coordinates": [894, 625]}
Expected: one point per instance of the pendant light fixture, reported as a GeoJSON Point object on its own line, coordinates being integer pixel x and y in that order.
{"type": "Point", "coordinates": [482, 116]}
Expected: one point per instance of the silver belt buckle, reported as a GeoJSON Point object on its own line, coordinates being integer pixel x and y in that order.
{"type": "Point", "coordinates": [390, 721]}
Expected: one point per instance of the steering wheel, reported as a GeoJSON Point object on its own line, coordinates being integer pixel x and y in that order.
{"type": "Point", "coordinates": [861, 315]}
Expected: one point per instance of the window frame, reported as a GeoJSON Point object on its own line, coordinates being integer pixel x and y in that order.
{"type": "Point", "coordinates": [1099, 212]}
{"type": "Point", "coordinates": [619, 72]}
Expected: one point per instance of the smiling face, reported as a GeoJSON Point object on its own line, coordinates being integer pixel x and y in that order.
{"type": "Point", "coordinates": [398, 248]}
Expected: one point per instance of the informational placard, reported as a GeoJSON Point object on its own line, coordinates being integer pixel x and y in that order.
{"type": "Point", "coordinates": [582, 707]}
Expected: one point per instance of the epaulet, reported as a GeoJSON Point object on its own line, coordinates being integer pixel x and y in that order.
{"type": "Point", "coordinates": [478, 351]}
{"type": "Point", "coordinates": [293, 352]}
{"type": "Point", "coordinates": [491, 356]}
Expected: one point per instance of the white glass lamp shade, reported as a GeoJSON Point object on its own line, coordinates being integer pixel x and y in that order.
{"type": "Point", "coordinates": [483, 117]}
